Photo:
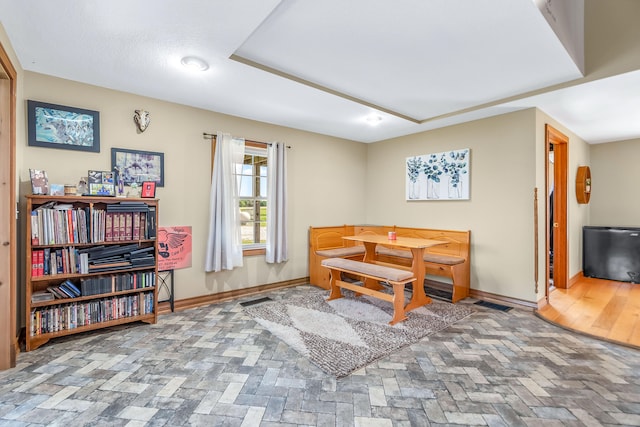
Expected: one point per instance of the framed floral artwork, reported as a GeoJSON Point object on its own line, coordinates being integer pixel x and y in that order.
{"type": "Point", "coordinates": [438, 176]}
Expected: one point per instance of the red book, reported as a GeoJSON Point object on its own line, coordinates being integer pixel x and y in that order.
{"type": "Point", "coordinates": [136, 226]}
{"type": "Point", "coordinates": [40, 263]}
{"type": "Point", "coordinates": [115, 227]}
{"type": "Point", "coordinates": [108, 227]}
{"type": "Point", "coordinates": [34, 263]}
{"type": "Point", "coordinates": [143, 225]}
{"type": "Point", "coordinates": [70, 226]}
{"type": "Point", "coordinates": [123, 228]}
{"type": "Point", "coordinates": [128, 227]}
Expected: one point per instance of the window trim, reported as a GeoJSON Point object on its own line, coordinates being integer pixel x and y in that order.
{"type": "Point", "coordinates": [252, 249]}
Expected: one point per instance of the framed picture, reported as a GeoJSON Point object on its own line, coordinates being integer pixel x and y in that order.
{"type": "Point", "coordinates": [138, 166]}
{"type": "Point", "coordinates": [39, 181]}
{"type": "Point", "coordinates": [101, 183]}
{"type": "Point", "coordinates": [57, 126]}
{"type": "Point", "coordinates": [438, 176]}
{"type": "Point", "coordinates": [148, 189]}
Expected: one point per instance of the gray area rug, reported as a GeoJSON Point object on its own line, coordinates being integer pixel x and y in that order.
{"type": "Point", "coordinates": [343, 335]}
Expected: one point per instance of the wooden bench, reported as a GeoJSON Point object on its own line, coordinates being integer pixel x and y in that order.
{"type": "Point", "coordinates": [328, 242]}
{"type": "Point", "coordinates": [450, 260]}
{"type": "Point", "coordinates": [395, 277]}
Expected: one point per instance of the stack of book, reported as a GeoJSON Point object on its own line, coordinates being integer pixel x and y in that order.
{"type": "Point", "coordinates": [41, 296]}
{"type": "Point", "coordinates": [64, 290]}
{"type": "Point", "coordinates": [118, 257]}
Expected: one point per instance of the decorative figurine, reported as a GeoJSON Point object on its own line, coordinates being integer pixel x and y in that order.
{"type": "Point", "coordinates": [142, 119]}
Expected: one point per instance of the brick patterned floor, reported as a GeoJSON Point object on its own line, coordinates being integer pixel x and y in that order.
{"type": "Point", "coordinates": [214, 366]}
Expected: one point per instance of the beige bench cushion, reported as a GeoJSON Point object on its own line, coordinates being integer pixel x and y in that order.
{"type": "Point", "coordinates": [386, 273]}
{"type": "Point", "coordinates": [428, 257]}
{"type": "Point", "coordinates": [341, 252]}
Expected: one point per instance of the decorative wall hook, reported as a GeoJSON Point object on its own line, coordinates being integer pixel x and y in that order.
{"type": "Point", "coordinates": [142, 119]}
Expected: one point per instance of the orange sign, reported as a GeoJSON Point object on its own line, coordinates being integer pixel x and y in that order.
{"type": "Point", "coordinates": [174, 248]}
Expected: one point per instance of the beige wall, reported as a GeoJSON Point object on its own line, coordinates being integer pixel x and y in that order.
{"type": "Point", "coordinates": [500, 210]}
{"type": "Point", "coordinates": [323, 172]}
{"type": "Point", "coordinates": [615, 177]}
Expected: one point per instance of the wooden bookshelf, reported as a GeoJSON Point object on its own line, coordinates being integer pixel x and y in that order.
{"type": "Point", "coordinates": [106, 247]}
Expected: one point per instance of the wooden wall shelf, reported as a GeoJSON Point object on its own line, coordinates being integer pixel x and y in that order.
{"type": "Point", "coordinates": [583, 184]}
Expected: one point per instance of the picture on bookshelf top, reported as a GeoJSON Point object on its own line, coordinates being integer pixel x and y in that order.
{"type": "Point", "coordinates": [148, 190]}
{"type": "Point", "coordinates": [39, 181]}
{"type": "Point", "coordinates": [101, 183]}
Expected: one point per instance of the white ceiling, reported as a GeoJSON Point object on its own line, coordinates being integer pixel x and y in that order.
{"type": "Point", "coordinates": [324, 66]}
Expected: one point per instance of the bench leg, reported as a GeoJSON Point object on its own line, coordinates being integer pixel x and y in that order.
{"type": "Point", "coordinates": [398, 304]}
{"type": "Point", "coordinates": [460, 284]}
{"type": "Point", "coordinates": [335, 289]}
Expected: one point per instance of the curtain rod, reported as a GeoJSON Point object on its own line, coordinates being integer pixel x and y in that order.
{"type": "Point", "coordinates": [206, 135]}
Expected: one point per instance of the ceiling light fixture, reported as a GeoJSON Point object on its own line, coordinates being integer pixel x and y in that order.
{"type": "Point", "coordinates": [374, 119]}
{"type": "Point", "coordinates": [194, 63]}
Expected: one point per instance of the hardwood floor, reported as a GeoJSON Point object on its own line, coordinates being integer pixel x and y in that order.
{"type": "Point", "coordinates": [601, 308]}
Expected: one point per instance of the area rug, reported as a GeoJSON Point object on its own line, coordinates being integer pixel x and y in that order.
{"type": "Point", "coordinates": [345, 334]}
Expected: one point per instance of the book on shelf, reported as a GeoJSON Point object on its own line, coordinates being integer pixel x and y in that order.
{"type": "Point", "coordinates": [41, 296]}
{"type": "Point", "coordinates": [35, 235]}
{"type": "Point", "coordinates": [128, 206]}
{"type": "Point", "coordinates": [65, 290]}
{"type": "Point", "coordinates": [135, 234]}
{"type": "Point", "coordinates": [69, 289]}
{"type": "Point", "coordinates": [73, 287]}
{"type": "Point", "coordinates": [57, 293]}
{"type": "Point", "coordinates": [128, 227]}
{"type": "Point", "coordinates": [151, 223]}
{"type": "Point", "coordinates": [37, 263]}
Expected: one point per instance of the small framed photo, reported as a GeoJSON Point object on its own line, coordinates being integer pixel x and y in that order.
{"type": "Point", "coordinates": [56, 189]}
{"type": "Point", "coordinates": [59, 126]}
{"type": "Point", "coordinates": [39, 181]}
{"type": "Point", "coordinates": [148, 190]}
{"type": "Point", "coordinates": [101, 183]}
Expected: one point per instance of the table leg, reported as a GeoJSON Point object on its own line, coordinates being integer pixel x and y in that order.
{"type": "Point", "coordinates": [419, 297]}
{"type": "Point", "coordinates": [370, 257]}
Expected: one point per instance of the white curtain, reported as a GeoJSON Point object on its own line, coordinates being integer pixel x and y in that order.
{"type": "Point", "coordinates": [224, 243]}
{"type": "Point", "coordinates": [277, 203]}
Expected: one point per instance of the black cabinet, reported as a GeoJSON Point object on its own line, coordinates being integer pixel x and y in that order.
{"type": "Point", "coordinates": [611, 253]}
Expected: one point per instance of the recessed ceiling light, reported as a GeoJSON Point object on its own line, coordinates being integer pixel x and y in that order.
{"type": "Point", "coordinates": [374, 119]}
{"type": "Point", "coordinates": [194, 63]}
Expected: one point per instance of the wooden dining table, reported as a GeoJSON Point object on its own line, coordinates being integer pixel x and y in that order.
{"type": "Point", "coordinates": [417, 247]}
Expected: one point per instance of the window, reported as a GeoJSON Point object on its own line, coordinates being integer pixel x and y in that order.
{"type": "Point", "coordinates": [252, 191]}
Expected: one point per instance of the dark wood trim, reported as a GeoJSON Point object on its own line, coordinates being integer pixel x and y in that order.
{"type": "Point", "coordinates": [184, 304]}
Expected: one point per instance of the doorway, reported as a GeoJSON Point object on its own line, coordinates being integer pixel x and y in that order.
{"type": "Point", "coordinates": [8, 259]}
{"type": "Point", "coordinates": [556, 155]}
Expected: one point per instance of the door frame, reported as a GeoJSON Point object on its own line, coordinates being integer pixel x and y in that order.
{"type": "Point", "coordinates": [559, 245]}
{"type": "Point", "coordinates": [9, 347]}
